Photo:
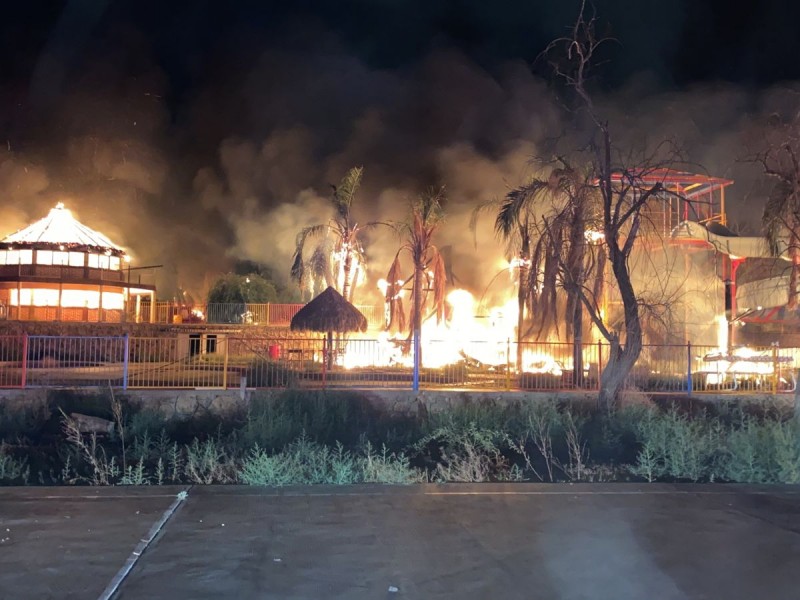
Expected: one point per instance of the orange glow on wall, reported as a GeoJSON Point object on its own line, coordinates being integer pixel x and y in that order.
{"type": "Point", "coordinates": [69, 298]}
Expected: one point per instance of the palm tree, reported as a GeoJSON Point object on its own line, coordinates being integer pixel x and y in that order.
{"type": "Point", "coordinates": [429, 269]}
{"type": "Point", "coordinates": [544, 224]}
{"type": "Point", "coordinates": [338, 257]}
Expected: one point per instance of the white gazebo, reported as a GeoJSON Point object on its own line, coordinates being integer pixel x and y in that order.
{"type": "Point", "coordinates": [59, 269]}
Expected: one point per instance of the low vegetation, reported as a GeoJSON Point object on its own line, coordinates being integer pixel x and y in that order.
{"type": "Point", "coordinates": [340, 438]}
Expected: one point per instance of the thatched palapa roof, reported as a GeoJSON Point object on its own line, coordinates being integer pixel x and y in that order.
{"type": "Point", "coordinates": [329, 312]}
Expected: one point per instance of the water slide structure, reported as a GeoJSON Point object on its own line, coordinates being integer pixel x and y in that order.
{"type": "Point", "coordinates": [692, 216]}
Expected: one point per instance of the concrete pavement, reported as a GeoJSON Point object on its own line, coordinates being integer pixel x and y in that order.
{"type": "Point", "coordinates": [454, 541]}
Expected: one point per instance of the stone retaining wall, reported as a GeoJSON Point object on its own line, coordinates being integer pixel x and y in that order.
{"type": "Point", "coordinates": [185, 404]}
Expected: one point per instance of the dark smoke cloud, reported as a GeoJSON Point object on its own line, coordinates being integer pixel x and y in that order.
{"type": "Point", "coordinates": [229, 160]}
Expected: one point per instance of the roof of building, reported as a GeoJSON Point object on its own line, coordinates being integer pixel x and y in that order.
{"type": "Point", "coordinates": [60, 228]}
{"type": "Point", "coordinates": [329, 312]}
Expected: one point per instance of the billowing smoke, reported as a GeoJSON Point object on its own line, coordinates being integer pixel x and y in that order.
{"type": "Point", "coordinates": [232, 164]}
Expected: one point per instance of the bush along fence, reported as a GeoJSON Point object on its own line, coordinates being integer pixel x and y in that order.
{"type": "Point", "coordinates": [312, 437]}
{"type": "Point", "coordinates": [220, 361]}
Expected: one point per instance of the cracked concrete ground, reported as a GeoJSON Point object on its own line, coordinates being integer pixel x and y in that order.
{"type": "Point", "coordinates": [452, 541]}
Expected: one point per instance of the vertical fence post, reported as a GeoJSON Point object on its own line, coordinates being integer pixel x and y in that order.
{"type": "Point", "coordinates": [599, 363]}
{"type": "Point", "coordinates": [126, 361]}
{"type": "Point", "coordinates": [24, 375]}
{"type": "Point", "coordinates": [225, 365]}
{"type": "Point", "coordinates": [325, 351]}
{"type": "Point", "coordinates": [415, 379]}
{"type": "Point", "coordinates": [689, 383]}
{"type": "Point", "coordinates": [508, 364]}
{"type": "Point", "coordinates": [775, 367]}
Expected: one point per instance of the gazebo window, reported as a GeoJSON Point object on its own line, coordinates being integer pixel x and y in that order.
{"type": "Point", "coordinates": [19, 257]}
{"type": "Point", "coordinates": [60, 258]}
{"type": "Point", "coordinates": [98, 261]}
{"type": "Point", "coordinates": [44, 257]}
{"type": "Point", "coordinates": [76, 259]}
{"type": "Point", "coordinates": [114, 260]}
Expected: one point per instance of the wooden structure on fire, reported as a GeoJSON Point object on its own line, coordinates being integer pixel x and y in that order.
{"type": "Point", "coordinates": [59, 269]}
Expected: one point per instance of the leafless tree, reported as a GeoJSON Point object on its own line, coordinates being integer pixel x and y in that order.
{"type": "Point", "coordinates": [779, 156]}
{"type": "Point", "coordinates": [625, 192]}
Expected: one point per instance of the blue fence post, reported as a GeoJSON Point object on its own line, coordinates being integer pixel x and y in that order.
{"type": "Point", "coordinates": [689, 385]}
{"type": "Point", "coordinates": [126, 361]}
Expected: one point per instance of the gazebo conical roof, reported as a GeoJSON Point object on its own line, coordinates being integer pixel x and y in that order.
{"type": "Point", "coordinates": [60, 228]}
{"type": "Point", "coordinates": [329, 312]}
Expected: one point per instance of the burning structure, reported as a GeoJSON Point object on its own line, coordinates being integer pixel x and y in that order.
{"type": "Point", "coordinates": [683, 268]}
{"type": "Point", "coordinates": [60, 269]}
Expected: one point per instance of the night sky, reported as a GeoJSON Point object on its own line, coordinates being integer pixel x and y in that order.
{"type": "Point", "coordinates": [196, 133]}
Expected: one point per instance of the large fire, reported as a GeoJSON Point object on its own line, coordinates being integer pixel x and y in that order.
{"type": "Point", "coordinates": [743, 366]}
{"type": "Point", "coordinates": [484, 337]}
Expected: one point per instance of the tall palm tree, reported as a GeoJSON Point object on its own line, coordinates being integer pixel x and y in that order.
{"type": "Point", "coordinates": [338, 257]}
{"type": "Point", "coordinates": [429, 269]}
{"type": "Point", "coordinates": [544, 224]}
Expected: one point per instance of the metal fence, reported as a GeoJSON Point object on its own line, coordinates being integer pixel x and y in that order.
{"type": "Point", "coordinates": [73, 361]}
{"type": "Point", "coordinates": [218, 361]}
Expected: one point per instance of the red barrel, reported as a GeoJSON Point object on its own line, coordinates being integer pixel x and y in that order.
{"type": "Point", "coordinates": [274, 352]}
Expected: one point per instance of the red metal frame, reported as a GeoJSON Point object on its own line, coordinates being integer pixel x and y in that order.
{"type": "Point", "coordinates": [701, 197]}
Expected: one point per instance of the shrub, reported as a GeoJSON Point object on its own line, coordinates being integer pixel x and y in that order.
{"type": "Point", "coordinates": [20, 422]}
{"type": "Point", "coordinates": [677, 447]}
{"type": "Point", "coordinates": [467, 454]}
{"type": "Point", "coordinates": [485, 415]}
{"type": "Point", "coordinates": [207, 462]}
{"type": "Point", "coordinates": [765, 451]}
{"type": "Point", "coordinates": [387, 467]}
{"type": "Point", "coordinates": [305, 462]}
{"type": "Point", "coordinates": [12, 470]}
{"type": "Point", "coordinates": [323, 416]}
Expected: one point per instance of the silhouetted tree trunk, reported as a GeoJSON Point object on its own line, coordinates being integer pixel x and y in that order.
{"type": "Point", "coordinates": [624, 194]}
{"type": "Point", "coordinates": [522, 294]}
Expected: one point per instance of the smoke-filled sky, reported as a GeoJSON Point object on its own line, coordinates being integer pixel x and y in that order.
{"type": "Point", "coordinates": [198, 133]}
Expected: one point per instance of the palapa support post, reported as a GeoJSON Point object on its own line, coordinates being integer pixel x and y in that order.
{"type": "Point", "coordinates": [325, 350]}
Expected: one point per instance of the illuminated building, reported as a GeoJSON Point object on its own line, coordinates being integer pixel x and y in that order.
{"type": "Point", "coordinates": [58, 269]}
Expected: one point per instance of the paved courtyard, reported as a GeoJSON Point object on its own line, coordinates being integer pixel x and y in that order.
{"type": "Point", "coordinates": [455, 541]}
